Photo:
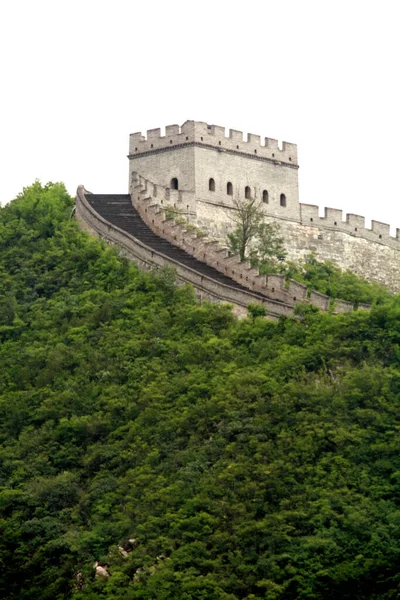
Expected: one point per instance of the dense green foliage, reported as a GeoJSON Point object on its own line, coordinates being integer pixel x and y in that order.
{"type": "Point", "coordinates": [249, 459]}
{"type": "Point", "coordinates": [327, 278]}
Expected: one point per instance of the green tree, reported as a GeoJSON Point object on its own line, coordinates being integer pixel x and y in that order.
{"type": "Point", "coordinates": [253, 238]}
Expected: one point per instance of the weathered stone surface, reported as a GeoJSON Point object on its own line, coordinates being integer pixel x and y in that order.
{"type": "Point", "coordinates": [195, 153]}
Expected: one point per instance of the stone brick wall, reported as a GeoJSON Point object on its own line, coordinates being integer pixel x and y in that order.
{"type": "Point", "coordinates": [197, 152]}
{"type": "Point", "coordinates": [362, 251]}
{"type": "Point", "coordinates": [209, 251]}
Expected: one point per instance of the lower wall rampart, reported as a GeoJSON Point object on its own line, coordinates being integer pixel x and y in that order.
{"type": "Point", "coordinates": [368, 258]}
{"type": "Point", "coordinates": [273, 286]}
{"type": "Point", "coordinates": [147, 258]}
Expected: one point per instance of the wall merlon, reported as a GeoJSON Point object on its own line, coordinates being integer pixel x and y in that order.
{"type": "Point", "coordinates": [297, 291]}
{"type": "Point", "coordinates": [188, 128]}
{"type": "Point", "coordinates": [246, 266]}
{"type": "Point", "coordinates": [276, 282]}
{"type": "Point", "coordinates": [341, 306]}
{"type": "Point", "coordinates": [321, 301]}
{"type": "Point", "coordinates": [379, 228]}
{"type": "Point", "coordinates": [309, 213]}
{"type": "Point", "coordinates": [261, 281]}
{"type": "Point", "coordinates": [251, 274]}
{"type": "Point", "coordinates": [153, 209]}
{"type": "Point", "coordinates": [272, 144]}
{"type": "Point", "coordinates": [334, 215]}
{"type": "Point", "coordinates": [153, 134]}
{"type": "Point", "coordinates": [137, 137]}
{"type": "Point", "coordinates": [171, 130]}
{"type": "Point", "coordinates": [233, 260]}
{"type": "Point", "coordinates": [355, 221]}
{"type": "Point", "coordinates": [235, 135]}
{"type": "Point", "coordinates": [253, 139]}
{"type": "Point", "coordinates": [216, 130]}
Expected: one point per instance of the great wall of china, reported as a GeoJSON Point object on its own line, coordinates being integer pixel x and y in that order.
{"type": "Point", "coordinates": [194, 171]}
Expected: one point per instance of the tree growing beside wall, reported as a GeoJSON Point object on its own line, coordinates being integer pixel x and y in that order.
{"type": "Point", "coordinates": [253, 238]}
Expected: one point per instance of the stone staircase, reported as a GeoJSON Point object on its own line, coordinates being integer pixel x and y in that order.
{"type": "Point", "coordinates": [119, 211]}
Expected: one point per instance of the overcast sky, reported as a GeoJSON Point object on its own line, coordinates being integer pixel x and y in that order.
{"type": "Point", "coordinates": [79, 76]}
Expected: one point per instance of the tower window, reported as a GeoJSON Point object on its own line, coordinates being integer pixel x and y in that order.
{"type": "Point", "coordinates": [283, 200]}
{"type": "Point", "coordinates": [247, 192]}
{"type": "Point", "coordinates": [229, 189]}
{"type": "Point", "coordinates": [211, 185]}
{"type": "Point", "coordinates": [174, 184]}
{"type": "Point", "coordinates": [265, 196]}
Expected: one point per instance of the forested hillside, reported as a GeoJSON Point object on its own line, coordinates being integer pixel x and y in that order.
{"type": "Point", "coordinates": [192, 455]}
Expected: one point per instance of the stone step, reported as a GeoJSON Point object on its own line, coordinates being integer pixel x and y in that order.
{"type": "Point", "coordinates": [118, 210]}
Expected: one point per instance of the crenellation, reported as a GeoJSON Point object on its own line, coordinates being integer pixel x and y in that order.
{"type": "Point", "coordinates": [253, 139]}
{"type": "Point", "coordinates": [355, 221]}
{"type": "Point", "coordinates": [334, 216]}
{"type": "Point", "coordinates": [197, 132]}
{"type": "Point", "coordinates": [341, 306]}
{"type": "Point", "coordinates": [172, 130]}
{"type": "Point", "coordinates": [381, 229]}
{"type": "Point", "coordinates": [136, 138]}
{"type": "Point", "coordinates": [188, 129]}
{"type": "Point", "coordinates": [290, 149]}
{"type": "Point", "coordinates": [353, 225]}
{"type": "Point", "coordinates": [217, 131]}
{"type": "Point", "coordinates": [236, 136]}
{"type": "Point", "coordinates": [309, 213]}
{"type": "Point", "coordinates": [319, 300]}
{"type": "Point", "coordinates": [153, 134]}
{"type": "Point", "coordinates": [298, 291]}
{"type": "Point", "coordinates": [272, 144]}
{"type": "Point", "coordinates": [276, 282]}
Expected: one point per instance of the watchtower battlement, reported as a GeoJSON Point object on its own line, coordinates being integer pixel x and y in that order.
{"type": "Point", "coordinates": [203, 135]}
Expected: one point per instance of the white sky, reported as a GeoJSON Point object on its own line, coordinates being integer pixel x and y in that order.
{"type": "Point", "coordinates": [77, 77]}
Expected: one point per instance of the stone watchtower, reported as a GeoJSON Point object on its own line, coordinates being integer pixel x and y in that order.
{"type": "Point", "coordinates": [199, 159]}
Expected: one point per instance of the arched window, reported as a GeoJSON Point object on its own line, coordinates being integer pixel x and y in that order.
{"type": "Point", "coordinates": [283, 200]}
{"type": "Point", "coordinates": [211, 185]}
{"type": "Point", "coordinates": [265, 196]}
{"type": "Point", "coordinates": [174, 184]}
{"type": "Point", "coordinates": [229, 189]}
{"type": "Point", "coordinates": [247, 192]}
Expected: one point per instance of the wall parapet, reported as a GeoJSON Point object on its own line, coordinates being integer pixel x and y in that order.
{"type": "Point", "coordinates": [149, 258]}
{"type": "Point", "coordinates": [352, 224]}
{"type": "Point", "coordinates": [213, 136]}
{"type": "Point", "coordinates": [273, 286]}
